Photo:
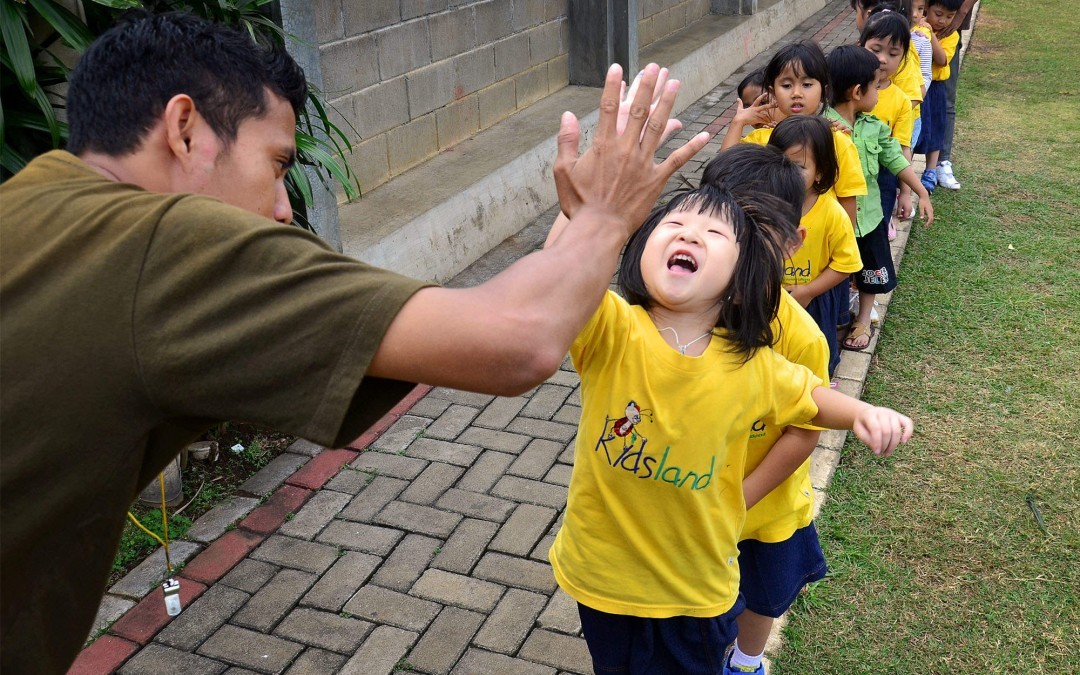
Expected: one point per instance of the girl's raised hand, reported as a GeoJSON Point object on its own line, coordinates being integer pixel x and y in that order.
{"type": "Point", "coordinates": [882, 429]}
{"type": "Point", "coordinates": [759, 112]}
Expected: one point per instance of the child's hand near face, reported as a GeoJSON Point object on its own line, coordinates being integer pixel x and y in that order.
{"type": "Point", "coordinates": [758, 113]}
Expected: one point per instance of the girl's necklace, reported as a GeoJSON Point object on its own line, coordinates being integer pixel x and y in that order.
{"type": "Point", "coordinates": [683, 347]}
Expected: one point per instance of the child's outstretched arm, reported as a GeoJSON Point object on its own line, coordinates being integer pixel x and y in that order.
{"type": "Point", "coordinates": [881, 429]}
{"type": "Point", "coordinates": [787, 454]}
{"type": "Point", "coordinates": [926, 209]}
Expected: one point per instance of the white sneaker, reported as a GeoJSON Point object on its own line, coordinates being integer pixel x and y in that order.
{"type": "Point", "coordinates": [945, 177]}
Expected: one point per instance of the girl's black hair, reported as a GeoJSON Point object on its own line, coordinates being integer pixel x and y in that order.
{"type": "Point", "coordinates": [753, 78]}
{"type": "Point", "coordinates": [815, 135]}
{"type": "Point", "coordinates": [889, 26]}
{"type": "Point", "coordinates": [761, 223]}
{"type": "Point", "coordinates": [805, 59]}
{"type": "Point", "coordinates": [762, 168]}
{"type": "Point", "coordinates": [871, 7]}
{"type": "Point", "coordinates": [851, 65]}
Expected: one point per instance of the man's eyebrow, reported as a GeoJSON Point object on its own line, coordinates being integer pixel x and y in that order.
{"type": "Point", "coordinates": [291, 161]}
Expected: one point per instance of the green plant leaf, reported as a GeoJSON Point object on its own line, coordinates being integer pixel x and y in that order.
{"type": "Point", "coordinates": [16, 47]}
{"type": "Point", "coordinates": [70, 27]}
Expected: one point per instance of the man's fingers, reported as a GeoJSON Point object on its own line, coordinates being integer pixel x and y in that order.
{"type": "Point", "coordinates": [639, 106]}
{"type": "Point", "coordinates": [606, 127]}
{"type": "Point", "coordinates": [677, 159]}
{"type": "Point", "coordinates": [565, 159]}
{"type": "Point", "coordinates": [657, 123]}
{"type": "Point", "coordinates": [672, 127]}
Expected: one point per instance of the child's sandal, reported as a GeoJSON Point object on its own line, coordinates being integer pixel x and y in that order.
{"type": "Point", "coordinates": [859, 330]}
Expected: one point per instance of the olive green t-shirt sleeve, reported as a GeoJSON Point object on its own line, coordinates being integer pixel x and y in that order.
{"type": "Point", "coordinates": [239, 318]}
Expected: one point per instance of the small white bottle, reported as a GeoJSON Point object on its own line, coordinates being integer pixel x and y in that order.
{"type": "Point", "coordinates": [172, 596]}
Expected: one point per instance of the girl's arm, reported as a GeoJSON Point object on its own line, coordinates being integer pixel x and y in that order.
{"type": "Point", "coordinates": [828, 279]}
{"type": "Point", "coordinates": [850, 207]}
{"type": "Point", "coordinates": [786, 455]}
{"type": "Point", "coordinates": [926, 209]}
{"type": "Point", "coordinates": [881, 429]}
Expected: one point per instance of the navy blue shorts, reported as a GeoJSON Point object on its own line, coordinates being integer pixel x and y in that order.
{"type": "Point", "coordinates": [681, 644]}
{"type": "Point", "coordinates": [878, 274]}
{"type": "Point", "coordinates": [773, 574]}
{"type": "Point", "coordinates": [827, 310]}
{"type": "Point", "coordinates": [932, 136]}
{"type": "Point", "coordinates": [888, 184]}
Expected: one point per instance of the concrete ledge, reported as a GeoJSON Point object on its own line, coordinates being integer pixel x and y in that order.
{"type": "Point", "coordinates": [435, 220]}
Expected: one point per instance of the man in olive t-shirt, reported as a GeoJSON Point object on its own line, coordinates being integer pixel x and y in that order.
{"type": "Point", "coordinates": [146, 293]}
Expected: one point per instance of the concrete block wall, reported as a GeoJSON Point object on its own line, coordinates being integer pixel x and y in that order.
{"type": "Point", "coordinates": [660, 18]}
{"type": "Point", "coordinates": [410, 78]}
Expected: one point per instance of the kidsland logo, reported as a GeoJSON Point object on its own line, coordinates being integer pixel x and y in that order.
{"type": "Point", "coordinates": [624, 447]}
{"type": "Point", "coordinates": [800, 274]}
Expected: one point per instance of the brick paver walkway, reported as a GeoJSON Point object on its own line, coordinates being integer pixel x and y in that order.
{"type": "Point", "coordinates": [426, 551]}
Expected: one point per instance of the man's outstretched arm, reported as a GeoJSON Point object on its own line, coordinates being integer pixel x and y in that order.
{"type": "Point", "coordinates": [512, 332]}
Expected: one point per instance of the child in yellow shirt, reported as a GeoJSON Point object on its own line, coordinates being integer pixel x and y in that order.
{"type": "Point", "coordinates": [939, 15]}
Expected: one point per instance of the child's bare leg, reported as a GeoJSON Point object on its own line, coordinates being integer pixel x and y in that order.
{"type": "Point", "coordinates": [754, 631]}
{"type": "Point", "coordinates": [931, 159]}
{"type": "Point", "coordinates": [866, 305]}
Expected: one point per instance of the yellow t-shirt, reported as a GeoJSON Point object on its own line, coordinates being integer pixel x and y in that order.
{"type": "Point", "coordinates": [949, 44]}
{"type": "Point", "coordinates": [894, 108]}
{"type": "Point", "coordinates": [849, 179]}
{"type": "Point", "coordinates": [790, 506]}
{"type": "Point", "coordinates": [830, 242]}
{"type": "Point", "coordinates": [909, 77]}
{"type": "Point", "coordinates": [655, 507]}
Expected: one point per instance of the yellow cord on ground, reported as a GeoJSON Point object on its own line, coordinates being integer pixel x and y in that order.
{"type": "Point", "coordinates": [164, 524]}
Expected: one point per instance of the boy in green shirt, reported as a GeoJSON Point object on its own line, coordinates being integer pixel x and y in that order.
{"type": "Point", "coordinates": [854, 74]}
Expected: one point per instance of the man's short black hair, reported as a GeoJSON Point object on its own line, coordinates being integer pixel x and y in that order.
{"type": "Point", "coordinates": [120, 86]}
{"type": "Point", "coordinates": [951, 5]}
{"type": "Point", "coordinates": [851, 65]}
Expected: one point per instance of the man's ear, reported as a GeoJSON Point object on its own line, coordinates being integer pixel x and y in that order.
{"type": "Point", "coordinates": [181, 121]}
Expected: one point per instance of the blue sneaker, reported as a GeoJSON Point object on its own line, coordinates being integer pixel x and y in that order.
{"type": "Point", "coordinates": [735, 670]}
{"type": "Point", "coordinates": [929, 180]}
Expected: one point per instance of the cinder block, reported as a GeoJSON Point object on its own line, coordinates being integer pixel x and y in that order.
{"type": "Point", "coordinates": [431, 87]}
{"type": "Point", "coordinates": [497, 102]}
{"type": "Point", "coordinates": [558, 73]}
{"type": "Point", "coordinates": [361, 17]}
{"type": "Point", "coordinates": [403, 47]}
{"type": "Point", "coordinates": [329, 20]}
{"type": "Point", "coordinates": [370, 163]}
{"type": "Point", "coordinates": [410, 9]}
{"type": "Point", "coordinates": [544, 42]}
{"type": "Point", "coordinates": [511, 56]}
{"type": "Point", "coordinates": [474, 70]}
{"type": "Point", "coordinates": [452, 33]}
{"type": "Point", "coordinates": [493, 20]}
{"type": "Point", "coordinates": [532, 85]}
{"type": "Point", "coordinates": [412, 143]}
{"type": "Point", "coordinates": [555, 9]}
{"type": "Point", "coordinates": [349, 65]}
{"type": "Point", "coordinates": [381, 107]}
{"type": "Point", "coordinates": [458, 121]}
{"type": "Point", "coordinates": [342, 114]}
{"type": "Point", "coordinates": [528, 13]}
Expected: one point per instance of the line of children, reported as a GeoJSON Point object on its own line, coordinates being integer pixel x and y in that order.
{"type": "Point", "coordinates": [855, 73]}
{"type": "Point", "coordinates": [797, 83]}
{"type": "Point", "coordinates": [817, 274]}
{"type": "Point", "coordinates": [779, 551]}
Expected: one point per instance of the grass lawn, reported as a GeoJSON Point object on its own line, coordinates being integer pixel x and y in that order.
{"type": "Point", "coordinates": [961, 554]}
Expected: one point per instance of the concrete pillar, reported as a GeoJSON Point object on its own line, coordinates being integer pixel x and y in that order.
{"type": "Point", "coordinates": [298, 20]}
{"type": "Point", "coordinates": [602, 32]}
{"type": "Point", "coordinates": [732, 6]}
